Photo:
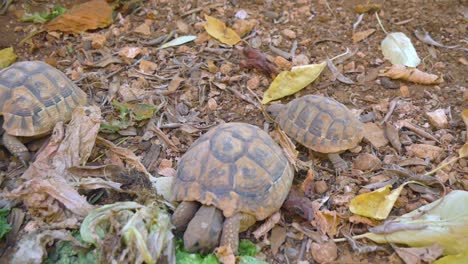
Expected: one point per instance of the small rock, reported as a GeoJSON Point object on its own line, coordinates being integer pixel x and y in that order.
{"type": "Point", "coordinates": [324, 253]}
{"type": "Point", "coordinates": [375, 135]}
{"type": "Point", "coordinates": [360, 68]}
{"type": "Point", "coordinates": [366, 162]}
{"type": "Point", "coordinates": [253, 82]}
{"type": "Point", "coordinates": [148, 67]}
{"type": "Point", "coordinates": [447, 139]}
{"type": "Point", "coordinates": [405, 92]}
{"type": "Point", "coordinates": [212, 104]}
{"type": "Point", "coordinates": [143, 29]}
{"type": "Point", "coordinates": [438, 118]}
{"type": "Point", "coordinates": [129, 52]}
{"type": "Point", "coordinates": [300, 59]}
{"type": "Point", "coordinates": [379, 178]}
{"type": "Point", "coordinates": [182, 26]}
{"type": "Point", "coordinates": [321, 187]}
{"type": "Point", "coordinates": [390, 159]}
{"type": "Point", "coordinates": [256, 42]}
{"type": "Point", "coordinates": [388, 84]}
{"type": "Point", "coordinates": [289, 33]}
{"type": "Point", "coordinates": [360, 54]}
{"type": "Point", "coordinates": [282, 63]}
{"type": "Point", "coordinates": [425, 151]}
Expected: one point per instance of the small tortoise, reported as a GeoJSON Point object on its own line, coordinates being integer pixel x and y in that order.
{"type": "Point", "coordinates": [321, 124]}
{"type": "Point", "coordinates": [238, 175]}
{"type": "Point", "coordinates": [33, 98]}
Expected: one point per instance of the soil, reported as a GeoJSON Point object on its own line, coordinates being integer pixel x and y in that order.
{"type": "Point", "coordinates": [321, 29]}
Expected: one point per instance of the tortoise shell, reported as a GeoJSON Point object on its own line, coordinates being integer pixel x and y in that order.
{"type": "Point", "coordinates": [34, 96]}
{"type": "Point", "coordinates": [237, 168]}
{"type": "Point", "coordinates": [321, 124]}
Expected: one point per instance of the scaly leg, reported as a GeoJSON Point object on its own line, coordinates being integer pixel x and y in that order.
{"type": "Point", "coordinates": [16, 148]}
{"type": "Point", "coordinates": [338, 163]}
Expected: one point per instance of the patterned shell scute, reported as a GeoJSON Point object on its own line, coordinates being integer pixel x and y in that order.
{"type": "Point", "coordinates": [236, 167]}
{"type": "Point", "coordinates": [321, 124]}
{"type": "Point", "coordinates": [34, 96]}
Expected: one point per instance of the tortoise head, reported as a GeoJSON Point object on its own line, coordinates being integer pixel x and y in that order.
{"type": "Point", "coordinates": [275, 109]}
{"type": "Point", "coordinates": [204, 230]}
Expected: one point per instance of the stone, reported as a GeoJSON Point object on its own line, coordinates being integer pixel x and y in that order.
{"type": "Point", "coordinates": [438, 119]}
{"type": "Point", "coordinates": [375, 135]}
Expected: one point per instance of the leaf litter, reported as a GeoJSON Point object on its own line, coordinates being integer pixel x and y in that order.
{"type": "Point", "coordinates": [141, 103]}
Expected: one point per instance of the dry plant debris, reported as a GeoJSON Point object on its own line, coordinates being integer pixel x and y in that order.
{"type": "Point", "coordinates": [160, 73]}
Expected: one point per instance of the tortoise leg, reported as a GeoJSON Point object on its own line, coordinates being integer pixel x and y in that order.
{"type": "Point", "coordinates": [338, 163]}
{"type": "Point", "coordinates": [183, 214]}
{"type": "Point", "coordinates": [16, 148]}
{"type": "Point", "coordinates": [230, 237]}
{"type": "Point", "coordinates": [203, 231]}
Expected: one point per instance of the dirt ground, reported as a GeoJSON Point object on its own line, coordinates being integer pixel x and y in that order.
{"type": "Point", "coordinates": [214, 88]}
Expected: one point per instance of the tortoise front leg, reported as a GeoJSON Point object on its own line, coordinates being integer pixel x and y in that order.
{"type": "Point", "coordinates": [16, 148]}
{"type": "Point", "coordinates": [183, 214]}
{"type": "Point", "coordinates": [230, 236]}
{"type": "Point", "coordinates": [338, 163]}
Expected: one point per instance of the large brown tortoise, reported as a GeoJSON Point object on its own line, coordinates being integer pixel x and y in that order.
{"type": "Point", "coordinates": [34, 96]}
{"type": "Point", "coordinates": [321, 124]}
{"type": "Point", "coordinates": [238, 175]}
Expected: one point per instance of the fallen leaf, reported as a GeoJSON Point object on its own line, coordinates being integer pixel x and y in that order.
{"type": "Point", "coordinates": [254, 59]}
{"type": "Point", "coordinates": [426, 38]}
{"type": "Point", "coordinates": [290, 82]}
{"type": "Point", "coordinates": [367, 8]}
{"type": "Point", "coordinates": [267, 225]}
{"type": "Point", "coordinates": [288, 146]}
{"type": "Point", "coordinates": [327, 222]}
{"type": "Point", "coordinates": [278, 236]}
{"type": "Point", "coordinates": [444, 221]}
{"type": "Point", "coordinates": [143, 29]}
{"type": "Point", "coordinates": [399, 50]}
{"type": "Point", "coordinates": [243, 27]}
{"type": "Point", "coordinates": [453, 259]}
{"type": "Point", "coordinates": [361, 35]}
{"type": "Point", "coordinates": [416, 255]}
{"type": "Point", "coordinates": [7, 57]}
{"type": "Point", "coordinates": [412, 75]}
{"type": "Point", "coordinates": [175, 83]}
{"type": "Point", "coordinates": [297, 203]}
{"type": "Point", "coordinates": [129, 52]}
{"type": "Point", "coordinates": [376, 204]}
{"type": "Point", "coordinates": [218, 30]}
{"type": "Point", "coordinates": [90, 15]}
{"type": "Point", "coordinates": [308, 184]}
{"type": "Point", "coordinates": [337, 74]}
{"type": "Point", "coordinates": [375, 135]}
{"type": "Point", "coordinates": [425, 151]}
{"type": "Point", "coordinates": [177, 41]}
{"type": "Point", "coordinates": [125, 154]}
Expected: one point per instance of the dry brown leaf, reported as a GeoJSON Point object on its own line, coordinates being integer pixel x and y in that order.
{"type": "Point", "coordinates": [126, 154]}
{"type": "Point", "coordinates": [325, 252]}
{"type": "Point", "coordinates": [361, 35]}
{"type": "Point", "coordinates": [337, 74]}
{"type": "Point", "coordinates": [367, 8]}
{"type": "Point", "coordinates": [49, 185]}
{"type": "Point", "coordinates": [278, 236]}
{"type": "Point", "coordinates": [417, 255]}
{"type": "Point", "coordinates": [308, 185]}
{"type": "Point", "coordinates": [411, 74]}
{"type": "Point", "coordinates": [288, 147]}
{"type": "Point", "coordinates": [267, 225]}
{"type": "Point", "coordinates": [90, 15]}
{"type": "Point", "coordinates": [327, 222]}
{"type": "Point", "coordinates": [255, 59]}
{"type": "Point", "coordinates": [243, 27]}
{"type": "Point", "coordinates": [296, 203]}
{"type": "Point", "coordinates": [175, 83]}
{"type": "Point", "coordinates": [358, 219]}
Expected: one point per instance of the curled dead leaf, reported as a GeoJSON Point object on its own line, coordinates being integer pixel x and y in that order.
{"type": "Point", "coordinates": [411, 74]}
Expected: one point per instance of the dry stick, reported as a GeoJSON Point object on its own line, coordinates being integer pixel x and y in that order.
{"type": "Point", "coordinates": [380, 23]}
{"type": "Point", "coordinates": [418, 130]}
{"type": "Point", "coordinates": [242, 96]}
{"type": "Point", "coordinates": [392, 107]}
{"type": "Point", "coordinates": [198, 9]}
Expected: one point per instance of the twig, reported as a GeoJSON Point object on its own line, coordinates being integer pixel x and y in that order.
{"type": "Point", "coordinates": [418, 130]}
{"type": "Point", "coordinates": [392, 107]}
{"type": "Point", "coordinates": [198, 9]}
{"type": "Point", "coordinates": [380, 23]}
{"type": "Point", "coordinates": [284, 54]}
{"type": "Point", "coordinates": [242, 96]}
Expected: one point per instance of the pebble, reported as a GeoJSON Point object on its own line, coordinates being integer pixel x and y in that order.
{"type": "Point", "coordinates": [289, 33]}
{"type": "Point", "coordinates": [388, 84]}
{"type": "Point", "coordinates": [253, 83]}
{"type": "Point", "coordinates": [212, 104]}
{"type": "Point", "coordinates": [375, 135]}
{"type": "Point", "coordinates": [438, 118]}
{"type": "Point", "coordinates": [282, 63]}
{"type": "Point", "coordinates": [425, 151]}
{"type": "Point", "coordinates": [321, 187]}
{"type": "Point", "coordinates": [300, 59]}
{"type": "Point", "coordinates": [325, 252]}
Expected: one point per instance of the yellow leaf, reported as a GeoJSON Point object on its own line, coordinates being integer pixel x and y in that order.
{"type": "Point", "coordinates": [290, 82]}
{"type": "Point", "coordinates": [218, 30]}
{"type": "Point", "coordinates": [7, 57]}
{"type": "Point", "coordinates": [454, 259]}
{"type": "Point", "coordinates": [376, 204]}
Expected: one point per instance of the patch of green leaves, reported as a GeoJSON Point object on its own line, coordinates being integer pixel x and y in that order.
{"type": "Point", "coordinates": [128, 113]}
{"type": "Point", "coordinates": [4, 226]}
{"type": "Point", "coordinates": [64, 252]}
{"type": "Point", "coordinates": [43, 17]}
{"type": "Point", "coordinates": [184, 257]}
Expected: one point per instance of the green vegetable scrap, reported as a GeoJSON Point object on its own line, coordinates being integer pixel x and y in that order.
{"type": "Point", "coordinates": [43, 17]}
{"type": "Point", "coordinates": [4, 226]}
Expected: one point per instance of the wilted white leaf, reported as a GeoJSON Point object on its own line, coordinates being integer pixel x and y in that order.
{"type": "Point", "coordinates": [399, 50]}
{"type": "Point", "coordinates": [241, 14]}
{"type": "Point", "coordinates": [178, 41]}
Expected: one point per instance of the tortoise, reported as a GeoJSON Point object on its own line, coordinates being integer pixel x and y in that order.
{"type": "Point", "coordinates": [34, 96]}
{"type": "Point", "coordinates": [321, 124]}
{"type": "Point", "coordinates": [231, 177]}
